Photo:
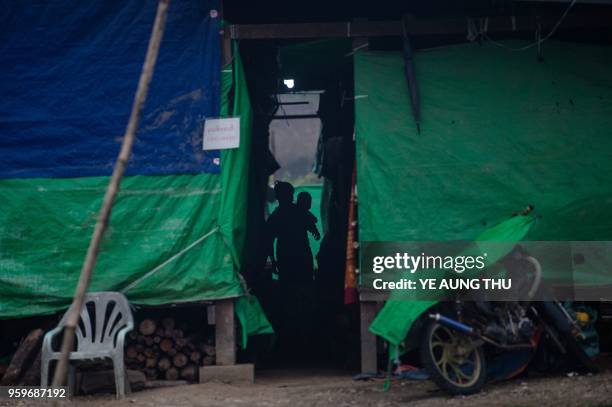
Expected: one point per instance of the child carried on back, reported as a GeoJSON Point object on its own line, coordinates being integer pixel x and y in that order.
{"type": "Point", "coordinates": [304, 202]}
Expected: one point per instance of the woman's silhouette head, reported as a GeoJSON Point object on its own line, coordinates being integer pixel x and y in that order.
{"type": "Point", "coordinates": [283, 192]}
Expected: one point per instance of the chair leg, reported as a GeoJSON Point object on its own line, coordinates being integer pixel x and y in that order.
{"type": "Point", "coordinates": [120, 378]}
{"type": "Point", "coordinates": [44, 372]}
{"type": "Point", "coordinates": [128, 387]}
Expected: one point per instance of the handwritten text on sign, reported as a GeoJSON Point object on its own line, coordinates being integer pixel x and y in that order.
{"type": "Point", "coordinates": [221, 134]}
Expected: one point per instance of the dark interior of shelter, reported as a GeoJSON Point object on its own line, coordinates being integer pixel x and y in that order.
{"type": "Point", "coordinates": [298, 60]}
{"type": "Point", "coordinates": [319, 101]}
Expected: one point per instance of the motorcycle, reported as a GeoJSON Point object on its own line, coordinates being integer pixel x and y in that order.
{"type": "Point", "coordinates": [460, 338]}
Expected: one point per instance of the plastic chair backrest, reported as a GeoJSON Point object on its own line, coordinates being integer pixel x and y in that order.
{"type": "Point", "coordinates": [99, 325]}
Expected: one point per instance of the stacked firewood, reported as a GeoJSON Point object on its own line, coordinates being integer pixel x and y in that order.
{"type": "Point", "coordinates": [161, 351]}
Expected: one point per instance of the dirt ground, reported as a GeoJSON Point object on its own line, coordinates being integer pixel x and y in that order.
{"type": "Point", "coordinates": [296, 388]}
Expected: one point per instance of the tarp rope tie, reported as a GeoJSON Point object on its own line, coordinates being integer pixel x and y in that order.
{"type": "Point", "coordinates": [171, 259]}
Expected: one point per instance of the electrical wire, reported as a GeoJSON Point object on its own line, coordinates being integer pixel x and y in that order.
{"type": "Point", "coordinates": [539, 41]}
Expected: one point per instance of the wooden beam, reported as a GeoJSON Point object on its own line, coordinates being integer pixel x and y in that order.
{"type": "Point", "coordinates": [369, 364]}
{"type": "Point", "coordinates": [225, 332]}
{"type": "Point", "coordinates": [295, 116]}
{"type": "Point", "coordinates": [226, 41]}
{"type": "Point", "coordinates": [451, 26]}
{"type": "Point", "coordinates": [604, 2]}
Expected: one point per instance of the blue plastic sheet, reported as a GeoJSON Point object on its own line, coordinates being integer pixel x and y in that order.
{"type": "Point", "coordinates": [68, 74]}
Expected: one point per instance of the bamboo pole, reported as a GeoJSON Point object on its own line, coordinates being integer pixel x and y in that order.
{"type": "Point", "coordinates": [111, 191]}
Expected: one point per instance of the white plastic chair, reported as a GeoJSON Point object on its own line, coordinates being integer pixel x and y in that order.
{"type": "Point", "coordinates": [98, 336]}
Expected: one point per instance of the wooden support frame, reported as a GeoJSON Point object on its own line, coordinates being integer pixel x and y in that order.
{"type": "Point", "coordinates": [370, 302]}
{"type": "Point", "coordinates": [222, 312]}
{"type": "Point", "coordinates": [225, 332]}
{"type": "Point", "coordinates": [369, 350]}
{"type": "Point", "coordinates": [449, 26]}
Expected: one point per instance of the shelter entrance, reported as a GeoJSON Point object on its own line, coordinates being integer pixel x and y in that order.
{"type": "Point", "coordinates": [302, 98]}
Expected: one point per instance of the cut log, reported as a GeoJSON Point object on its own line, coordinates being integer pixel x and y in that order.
{"type": "Point", "coordinates": [168, 323]}
{"type": "Point", "coordinates": [172, 352]}
{"type": "Point", "coordinates": [26, 352]}
{"type": "Point", "coordinates": [150, 363]}
{"type": "Point", "coordinates": [195, 357]}
{"type": "Point", "coordinates": [210, 350]}
{"type": "Point", "coordinates": [157, 339]}
{"type": "Point", "coordinates": [177, 333]}
{"type": "Point", "coordinates": [166, 345]}
{"type": "Point", "coordinates": [164, 364]}
{"type": "Point", "coordinates": [180, 360]}
{"type": "Point", "coordinates": [141, 357]}
{"type": "Point", "coordinates": [133, 335]}
{"type": "Point", "coordinates": [190, 373]}
{"type": "Point", "coordinates": [180, 343]}
{"type": "Point", "coordinates": [147, 327]}
{"type": "Point", "coordinates": [172, 374]}
{"type": "Point", "coordinates": [148, 341]}
{"type": "Point", "coordinates": [131, 352]}
{"type": "Point", "coordinates": [32, 375]}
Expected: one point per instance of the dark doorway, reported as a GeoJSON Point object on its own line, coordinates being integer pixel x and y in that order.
{"type": "Point", "coordinates": [302, 97]}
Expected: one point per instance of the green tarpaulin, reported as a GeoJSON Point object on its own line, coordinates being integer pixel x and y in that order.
{"type": "Point", "coordinates": [499, 131]}
{"type": "Point", "coordinates": [164, 229]}
{"type": "Point", "coordinates": [171, 239]}
{"type": "Point", "coordinates": [396, 317]}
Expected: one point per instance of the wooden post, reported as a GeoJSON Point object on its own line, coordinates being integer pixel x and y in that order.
{"type": "Point", "coordinates": [225, 332]}
{"type": "Point", "coordinates": [367, 311]}
{"type": "Point", "coordinates": [223, 313]}
{"type": "Point", "coordinates": [226, 40]}
{"type": "Point", "coordinates": [501, 25]}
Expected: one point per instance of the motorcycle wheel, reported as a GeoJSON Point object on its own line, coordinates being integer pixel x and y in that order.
{"type": "Point", "coordinates": [452, 359]}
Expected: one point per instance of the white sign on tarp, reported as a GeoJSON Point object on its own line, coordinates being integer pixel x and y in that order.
{"type": "Point", "coordinates": [220, 134]}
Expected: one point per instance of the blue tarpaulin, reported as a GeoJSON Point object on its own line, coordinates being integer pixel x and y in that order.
{"type": "Point", "coordinates": [68, 74]}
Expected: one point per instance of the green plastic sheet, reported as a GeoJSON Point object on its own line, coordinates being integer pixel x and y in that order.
{"type": "Point", "coordinates": [164, 229]}
{"type": "Point", "coordinates": [395, 319]}
{"type": "Point", "coordinates": [234, 201]}
{"type": "Point", "coordinates": [499, 131]}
